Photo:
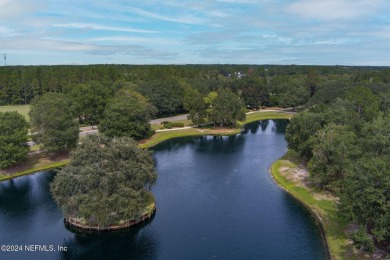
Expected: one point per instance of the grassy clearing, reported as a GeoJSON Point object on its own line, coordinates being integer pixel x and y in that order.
{"type": "Point", "coordinates": [324, 208]}
{"type": "Point", "coordinates": [21, 109]}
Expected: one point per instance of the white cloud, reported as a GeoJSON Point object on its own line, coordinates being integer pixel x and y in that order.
{"type": "Point", "coordinates": [7, 32]}
{"type": "Point", "coordinates": [336, 9]}
{"type": "Point", "coordinates": [13, 8]}
{"type": "Point", "coordinates": [24, 43]}
{"type": "Point", "coordinates": [88, 26]}
{"type": "Point", "coordinates": [143, 40]}
{"type": "Point", "coordinates": [186, 19]}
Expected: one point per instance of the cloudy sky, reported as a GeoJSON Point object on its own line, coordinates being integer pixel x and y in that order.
{"type": "Point", "coordinates": [323, 32]}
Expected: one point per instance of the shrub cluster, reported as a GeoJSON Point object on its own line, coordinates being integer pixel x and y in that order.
{"type": "Point", "coordinates": [169, 125]}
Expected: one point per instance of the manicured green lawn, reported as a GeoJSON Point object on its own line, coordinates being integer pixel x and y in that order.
{"type": "Point", "coordinates": [22, 109]}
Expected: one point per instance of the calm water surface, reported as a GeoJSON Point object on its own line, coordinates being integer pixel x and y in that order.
{"type": "Point", "coordinates": [215, 200]}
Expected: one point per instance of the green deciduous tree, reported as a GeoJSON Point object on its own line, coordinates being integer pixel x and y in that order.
{"type": "Point", "coordinates": [209, 100]}
{"type": "Point", "coordinates": [13, 138]}
{"type": "Point", "coordinates": [52, 122]}
{"type": "Point", "coordinates": [301, 130]}
{"type": "Point", "coordinates": [334, 149]}
{"type": "Point", "coordinates": [254, 92]}
{"type": "Point", "coordinates": [193, 102]}
{"type": "Point", "coordinates": [127, 114]}
{"type": "Point", "coordinates": [366, 195]}
{"type": "Point", "coordinates": [105, 181]}
{"type": "Point", "coordinates": [311, 82]}
{"type": "Point", "coordinates": [89, 101]}
{"type": "Point", "coordinates": [227, 109]}
{"type": "Point", "coordinates": [375, 136]}
{"type": "Point", "coordinates": [165, 95]}
{"type": "Point", "coordinates": [294, 93]}
{"type": "Point", "coordinates": [365, 102]}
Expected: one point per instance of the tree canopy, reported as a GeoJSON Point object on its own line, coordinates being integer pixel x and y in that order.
{"type": "Point", "coordinates": [366, 103]}
{"type": "Point", "coordinates": [347, 145]}
{"type": "Point", "coordinates": [13, 138]}
{"type": "Point", "coordinates": [52, 123]}
{"type": "Point", "coordinates": [193, 102]}
{"type": "Point", "coordinates": [89, 100]}
{"type": "Point", "coordinates": [227, 109]}
{"type": "Point", "coordinates": [127, 114]}
{"type": "Point", "coordinates": [104, 182]}
{"type": "Point", "coordinates": [165, 95]}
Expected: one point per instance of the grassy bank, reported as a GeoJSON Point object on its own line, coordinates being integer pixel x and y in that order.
{"type": "Point", "coordinates": [256, 116]}
{"type": "Point", "coordinates": [323, 205]}
{"type": "Point", "coordinates": [34, 164]}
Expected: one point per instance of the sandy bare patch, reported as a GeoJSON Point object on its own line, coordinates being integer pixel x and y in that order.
{"type": "Point", "coordinates": [325, 196]}
{"type": "Point", "coordinates": [296, 174]}
{"type": "Point", "coordinates": [299, 175]}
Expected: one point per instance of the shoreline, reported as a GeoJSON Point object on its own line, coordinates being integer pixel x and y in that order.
{"type": "Point", "coordinates": [313, 212]}
{"type": "Point", "coordinates": [155, 139]}
{"type": "Point", "coordinates": [321, 205]}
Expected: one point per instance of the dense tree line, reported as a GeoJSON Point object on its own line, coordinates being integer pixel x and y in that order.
{"type": "Point", "coordinates": [165, 85]}
{"type": "Point", "coordinates": [347, 144]}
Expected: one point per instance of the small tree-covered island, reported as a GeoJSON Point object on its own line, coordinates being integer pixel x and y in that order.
{"type": "Point", "coordinates": [105, 185]}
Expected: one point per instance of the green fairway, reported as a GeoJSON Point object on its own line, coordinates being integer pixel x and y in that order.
{"type": "Point", "coordinates": [22, 109]}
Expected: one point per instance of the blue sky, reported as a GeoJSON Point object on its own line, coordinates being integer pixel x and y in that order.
{"type": "Point", "coordinates": [322, 32]}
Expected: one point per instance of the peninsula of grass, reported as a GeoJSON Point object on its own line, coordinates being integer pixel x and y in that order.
{"type": "Point", "coordinates": [36, 163]}
{"type": "Point", "coordinates": [322, 205]}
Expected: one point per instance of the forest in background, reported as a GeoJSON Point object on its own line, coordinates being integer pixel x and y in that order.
{"type": "Point", "coordinates": [165, 85]}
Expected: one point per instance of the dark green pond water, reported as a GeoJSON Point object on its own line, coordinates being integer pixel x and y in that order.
{"type": "Point", "coordinates": [215, 200]}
